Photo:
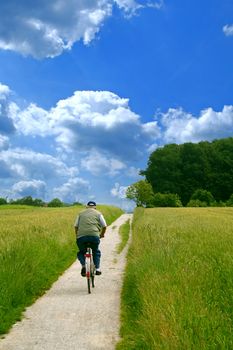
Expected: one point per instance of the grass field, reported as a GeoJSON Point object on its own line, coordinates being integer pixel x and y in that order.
{"type": "Point", "coordinates": [124, 234]}
{"type": "Point", "coordinates": [178, 287]}
{"type": "Point", "coordinates": [36, 246]}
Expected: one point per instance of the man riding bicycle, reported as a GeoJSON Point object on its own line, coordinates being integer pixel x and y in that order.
{"type": "Point", "coordinates": [90, 226]}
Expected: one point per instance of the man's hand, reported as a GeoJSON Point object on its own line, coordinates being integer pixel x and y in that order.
{"type": "Point", "coordinates": [103, 232]}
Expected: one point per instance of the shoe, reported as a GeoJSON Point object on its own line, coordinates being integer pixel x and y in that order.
{"type": "Point", "coordinates": [83, 271]}
{"type": "Point", "coordinates": [98, 272]}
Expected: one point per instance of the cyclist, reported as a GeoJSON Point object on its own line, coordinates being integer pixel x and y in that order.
{"type": "Point", "coordinates": [89, 226]}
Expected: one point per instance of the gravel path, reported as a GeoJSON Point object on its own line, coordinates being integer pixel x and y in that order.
{"type": "Point", "coordinates": [67, 317]}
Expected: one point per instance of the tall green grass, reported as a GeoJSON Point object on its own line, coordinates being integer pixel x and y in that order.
{"type": "Point", "coordinates": [36, 246]}
{"type": "Point", "coordinates": [178, 287]}
{"type": "Point", "coordinates": [124, 234]}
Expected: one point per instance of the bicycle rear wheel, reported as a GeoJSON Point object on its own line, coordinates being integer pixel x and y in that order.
{"type": "Point", "coordinates": [92, 274]}
{"type": "Point", "coordinates": [88, 269]}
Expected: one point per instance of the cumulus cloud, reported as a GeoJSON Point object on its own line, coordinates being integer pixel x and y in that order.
{"type": "Point", "coordinates": [131, 6]}
{"type": "Point", "coordinates": [100, 127]}
{"type": "Point", "coordinates": [72, 190]}
{"type": "Point", "coordinates": [133, 172]}
{"type": "Point", "coordinates": [151, 129]}
{"type": "Point", "coordinates": [101, 120]}
{"type": "Point", "coordinates": [119, 191]}
{"type": "Point", "coordinates": [47, 28]}
{"type": "Point", "coordinates": [34, 188]}
{"type": "Point", "coordinates": [27, 164]}
{"type": "Point", "coordinates": [4, 142]}
{"type": "Point", "coordinates": [32, 120]}
{"type": "Point", "coordinates": [180, 126]}
{"type": "Point", "coordinates": [97, 163]}
{"type": "Point", "coordinates": [6, 123]}
{"type": "Point", "coordinates": [228, 30]}
{"type": "Point", "coordinates": [90, 119]}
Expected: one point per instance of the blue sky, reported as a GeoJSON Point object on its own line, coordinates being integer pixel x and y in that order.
{"type": "Point", "coordinates": [88, 89]}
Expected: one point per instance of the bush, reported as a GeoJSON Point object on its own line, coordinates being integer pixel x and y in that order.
{"type": "Point", "coordinates": [196, 203]}
{"type": "Point", "coordinates": [56, 202]}
{"type": "Point", "coordinates": [230, 201]}
{"type": "Point", "coordinates": [203, 196]}
{"type": "Point", "coordinates": [219, 204]}
{"type": "Point", "coordinates": [3, 201]}
{"type": "Point", "coordinates": [28, 200]}
{"type": "Point", "coordinates": [166, 200]}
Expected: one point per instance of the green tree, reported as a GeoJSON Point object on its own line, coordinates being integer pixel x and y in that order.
{"type": "Point", "coordinates": [164, 169]}
{"type": "Point", "coordinates": [3, 201]}
{"type": "Point", "coordinates": [203, 196]}
{"type": "Point", "coordinates": [230, 201]}
{"type": "Point", "coordinates": [196, 203]}
{"type": "Point", "coordinates": [56, 202]}
{"type": "Point", "coordinates": [141, 193]}
{"type": "Point", "coordinates": [185, 168]}
{"type": "Point", "coordinates": [166, 200]}
{"type": "Point", "coordinates": [38, 202]}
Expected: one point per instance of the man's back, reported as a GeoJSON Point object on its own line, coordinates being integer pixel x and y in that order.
{"type": "Point", "coordinates": [89, 223]}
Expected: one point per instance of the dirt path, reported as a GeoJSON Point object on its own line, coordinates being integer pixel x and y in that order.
{"type": "Point", "coordinates": [66, 317]}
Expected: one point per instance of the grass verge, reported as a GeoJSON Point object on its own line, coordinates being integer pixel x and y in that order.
{"type": "Point", "coordinates": [178, 287]}
{"type": "Point", "coordinates": [36, 246]}
{"type": "Point", "coordinates": [124, 234]}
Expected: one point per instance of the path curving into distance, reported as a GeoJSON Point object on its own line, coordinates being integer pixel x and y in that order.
{"type": "Point", "coordinates": [67, 317]}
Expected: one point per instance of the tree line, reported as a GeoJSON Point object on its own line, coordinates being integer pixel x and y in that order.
{"type": "Point", "coordinates": [36, 202]}
{"type": "Point", "coordinates": [189, 174]}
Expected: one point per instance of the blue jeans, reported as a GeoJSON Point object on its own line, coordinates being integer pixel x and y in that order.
{"type": "Point", "coordinates": [94, 243]}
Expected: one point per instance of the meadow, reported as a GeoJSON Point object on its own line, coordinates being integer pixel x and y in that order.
{"type": "Point", "coordinates": [36, 246]}
{"type": "Point", "coordinates": [178, 285]}
{"type": "Point", "coordinates": [124, 232]}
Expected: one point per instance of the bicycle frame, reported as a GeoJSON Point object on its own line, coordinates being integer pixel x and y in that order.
{"type": "Point", "coordinates": [90, 269]}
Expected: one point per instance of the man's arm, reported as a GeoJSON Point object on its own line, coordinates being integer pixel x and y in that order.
{"type": "Point", "coordinates": [103, 232]}
{"type": "Point", "coordinates": [104, 226]}
{"type": "Point", "coordinates": [76, 226]}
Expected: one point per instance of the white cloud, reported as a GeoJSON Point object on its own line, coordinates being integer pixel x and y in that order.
{"type": "Point", "coordinates": [27, 164]}
{"type": "Point", "coordinates": [132, 172]}
{"type": "Point", "coordinates": [6, 123]}
{"type": "Point", "coordinates": [4, 91]}
{"type": "Point", "coordinates": [47, 28]}
{"type": "Point", "coordinates": [100, 120]}
{"type": "Point", "coordinates": [132, 5]}
{"type": "Point", "coordinates": [119, 191]}
{"type": "Point", "coordinates": [97, 164]}
{"type": "Point", "coordinates": [180, 126]}
{"type": "Point", "coordinates": [152, 147]}
{"type": "Point", "coordinates": [128, 5]}
{"type": "Point", "coordinates": [87, 120]}
{"type": "Point", "coordinates": [31, 121]}
{"type": "Point", "coordinates": [100, 127]}
{"type": "Point", "coordinates": [72, 190]}
{"type": "Point", "coordinates": [228, 30]}
{"type": "Point", "coordinates": [34, 188]}
{"type": "Point", "coordinates": [152, 129]}
{"type": "Point", "coordinates": [4, 142]}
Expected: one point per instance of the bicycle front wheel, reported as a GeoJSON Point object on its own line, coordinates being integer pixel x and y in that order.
{"type": "Point", "coordinates": [89, 285]}
{"type": "Point", "coordinates": [88, 269]}
{"type": "Point", "coordinates": [93, 276]}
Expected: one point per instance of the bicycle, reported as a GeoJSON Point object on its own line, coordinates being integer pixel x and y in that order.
{"type": "Point", "coordinates": [90, 268]}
